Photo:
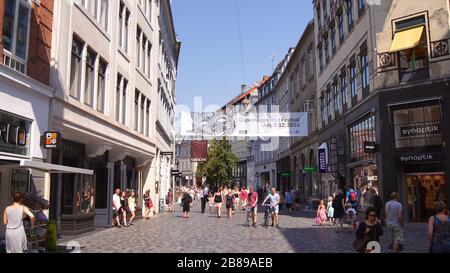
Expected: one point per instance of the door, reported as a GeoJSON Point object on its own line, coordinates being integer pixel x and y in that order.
{"type": "Point", "coordinates": [423, 190]}
{"type": "Point", "coordinates": [103, 195]}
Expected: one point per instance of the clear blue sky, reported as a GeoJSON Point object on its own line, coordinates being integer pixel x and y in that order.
{"type": "Point", "coordinates": [210, 63]}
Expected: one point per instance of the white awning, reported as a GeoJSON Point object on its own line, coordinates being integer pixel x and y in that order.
{"type": "Point", "coordinates": [45, 167]}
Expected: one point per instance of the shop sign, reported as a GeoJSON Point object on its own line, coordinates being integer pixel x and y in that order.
{"type": "Point", "coordinates": [370, 147]}
{"type": "Point", "coordinates": [420, 130]}
{"type": "Point", "coordinates": [420, 158]}
{"type": "Point", "coordinates": [286, 174]}
{"type": "Point", "coordinates": [310, 170]}
{"type": "Point", "coordinates": [51, 140]}
{"type": "Point", "coordinates": [323, 158]}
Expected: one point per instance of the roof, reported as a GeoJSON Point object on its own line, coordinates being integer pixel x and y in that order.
{"type": "Point", "coordinates": [241, 97]}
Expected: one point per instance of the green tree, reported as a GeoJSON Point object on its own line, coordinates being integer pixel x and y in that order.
{"type": "Point", "coordinates": [218, 168]}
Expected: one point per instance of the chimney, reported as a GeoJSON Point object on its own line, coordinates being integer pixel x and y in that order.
{"type": "Point", "coordinates": [243, 88]}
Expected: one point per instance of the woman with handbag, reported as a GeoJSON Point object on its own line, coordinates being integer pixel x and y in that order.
{"type": "Point", "coordinates": [439, 230]}
{"type": "Point", "coordinates": [369, 230]}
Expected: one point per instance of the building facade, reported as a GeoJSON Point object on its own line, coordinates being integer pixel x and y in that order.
{"type": "Point", "coordinates": [113, 69]}
{"type": "Point", "coordinates": [184, 164]}
{"type": "Point", "coordinates": [382, 98]}
{"type": "Point", "coordinates": [302, 93]}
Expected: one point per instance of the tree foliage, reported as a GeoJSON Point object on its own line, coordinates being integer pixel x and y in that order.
{"type": "Point", "coordinates": [218, 168]}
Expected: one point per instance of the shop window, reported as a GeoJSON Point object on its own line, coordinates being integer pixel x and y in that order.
{"type": "Point", "coordinates": [418, 127]}
{"type": "Point", "coordinates": [20, 181]}
{"type": "Point", "coordinates": [365, 178]}
{"type": "Point", "coordinates": [14, 134]}
{"type": "Point", "coordinates": [363, 131]}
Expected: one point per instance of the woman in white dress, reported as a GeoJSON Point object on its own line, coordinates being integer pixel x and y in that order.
{"type": "Point", "coordinates": [15, 237]}
{"type": "Point", "coordinates": [132, 206]}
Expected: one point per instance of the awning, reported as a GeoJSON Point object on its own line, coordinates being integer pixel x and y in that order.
{"type": "Point", "coordinates": [41, 166]}
{"type": "Point", "coordinates": [407, 39]}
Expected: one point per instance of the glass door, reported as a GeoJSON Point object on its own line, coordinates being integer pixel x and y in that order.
{"type": "Point", "coordinates": [423, 190]}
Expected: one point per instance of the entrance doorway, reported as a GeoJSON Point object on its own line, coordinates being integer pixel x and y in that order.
{"type": "Point", "coordinates": [423, 189]}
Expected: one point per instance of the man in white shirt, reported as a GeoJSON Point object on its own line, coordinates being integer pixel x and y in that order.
{"type": "Point", "coordinates": [394, 221]}
{"type": "Point", "coordinates": [274, 200]}
{"type": "Point", "coordinates": [116, 207]}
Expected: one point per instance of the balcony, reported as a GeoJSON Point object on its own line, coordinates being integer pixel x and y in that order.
{"type": "Point", "coordinates": [13, 62]}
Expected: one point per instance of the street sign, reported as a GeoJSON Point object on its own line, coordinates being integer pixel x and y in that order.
{"type": "Point", "coordinates": [175, 173]}
{"type": "Point", "coordinates": [310, 170]}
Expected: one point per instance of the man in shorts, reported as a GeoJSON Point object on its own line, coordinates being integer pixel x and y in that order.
{"type": "Point", "coordinates": [116, 207]}
{"type": "Point", "coordinates": [394, 221]}
{"type": "Point", "coordinates": [253, 204]}
{"type": "Point", "coordinates": [274, 201]}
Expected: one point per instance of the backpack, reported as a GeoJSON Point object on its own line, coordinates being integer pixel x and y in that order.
{"type": "Point", "coordinates": [335, 203]}
{"type": "Point", "coordinates": [441, 236]}
{"type": "Point", "coordinates": [353, 197]}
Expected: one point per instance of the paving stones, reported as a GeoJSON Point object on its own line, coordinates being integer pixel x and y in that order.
{"type": "Point", "coordinates": [204, 233]}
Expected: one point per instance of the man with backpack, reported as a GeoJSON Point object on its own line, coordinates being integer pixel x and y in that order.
{"type": "Point", "coordinates": [352, 198]}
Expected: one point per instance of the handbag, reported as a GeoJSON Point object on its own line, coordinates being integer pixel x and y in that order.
{"type": "Point", "coordinates": [360, 243]}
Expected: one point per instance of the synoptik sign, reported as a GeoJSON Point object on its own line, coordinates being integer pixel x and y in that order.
{"type": "Point", "coordinates": [411, 131]}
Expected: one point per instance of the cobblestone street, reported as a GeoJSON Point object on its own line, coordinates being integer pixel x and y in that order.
{"type": "Point", "coordinates": [204, 233]}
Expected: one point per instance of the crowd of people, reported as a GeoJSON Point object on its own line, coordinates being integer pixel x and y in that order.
{"type": "Point", "coordinates": [343, 208]}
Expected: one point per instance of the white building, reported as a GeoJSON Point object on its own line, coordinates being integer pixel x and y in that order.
{"type": "Point", "coordinates": [114, 65]}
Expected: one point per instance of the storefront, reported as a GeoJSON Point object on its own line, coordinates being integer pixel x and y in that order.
{"type": "Point", "coordinates": [284, 175]}
{"type": "Point", "coordinates": [415, 149]}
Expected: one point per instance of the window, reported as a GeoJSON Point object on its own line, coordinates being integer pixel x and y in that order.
{"type": "Point", "coordinates": [138, 46]}
{"type": "Point", "coordinates": [322, 108]}
{"type": "Point", "coordinates": [124, 21]}
{"type": "Point", "coordinates": [89, 77]}
{"type": "Point", "coordinates": [75, 68]}
{"type": "Point", "coordinates": [118, 90]}
{"type": "Point", "coordinates": [98, 9]}
{"type": "Point", "coordinates": [136, 109]}
{"type": "Point", "coordinates": [344, 87]}
{"type": "Point", "coordinates": [147, 118]}
{"type": "Point", "coordinates": [149, 51]}
{"type": "Point", "coordinates": [101, 85]}
{"type": "Point", "coordinates": [413, 61]}
{"type": "Point", "coordinates": [341, 28]}
{"type": "Point", "coordinates": [143, 54]}
{"type": "Point", "coordinates": [146, 6]}
{"type": "Point", "coordinates": [143, 99]}
{"type": "Point", "coordinates": [361, 7]}
{"type": "Point", "coordinates": [124, 101]}
{"type": "Point", "coordinates": [329, 102]}
{"type": "Point", "coordinates": [361, 132]}
{"type": "Point", "coordinates": [333, 39]}
{"type": "Point", "coordinates": [364, 67]}
{"type": "Point", "coordinates": [319, 19]}
{"type": "Point", "coordinates": [15, 33]}
{"type": "Point", "coordinates": [320, 59]}
{"type": "Point", "coordinates": [327, 56]}
{"type": "Point", "coordinates": [350, 15]}
{"type": "Point", "coordinates": [353, 83]}
{"type": "Point", "coordinates": [337, 101]}
{"type": "Point", "coordinates": [418, 126]}
{"type": "Point", "coordinates": [325, 10]}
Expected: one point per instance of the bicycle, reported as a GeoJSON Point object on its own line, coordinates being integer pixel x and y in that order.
{"type": "Point", "coordinates": [266, 215]}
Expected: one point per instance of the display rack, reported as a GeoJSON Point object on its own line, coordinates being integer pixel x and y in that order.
{"type": "Point", "coordinates": [36, 236]}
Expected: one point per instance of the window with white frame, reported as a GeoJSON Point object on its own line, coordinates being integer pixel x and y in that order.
{"type": "Point", "coordinates": [149, 51]}
{"type": "Point", "coordinates": [146, 6]}
{"type": "Point", "coordinates": [75, 67]}
{"type": "Point", "coordinates": [89, 77]}
{"type": "Point", "coordinates": [101, 85]}
{"type": "Point", "coordinates": [99, 10]}
{"type": "Point", "coordinates": [118, 92]}
{"type": "Point", "coordinates": [124, 23]}
{"type": "Point", "coordinates": [136, 109]}
{"type": "Point", "coordinates": [138, 46]}
{"type": "Point", "coordinates": [147, 118]}
{"type": "Point", "coordinates": [124, 101]}
{"type": "Point", "coordinates": [16, 25]}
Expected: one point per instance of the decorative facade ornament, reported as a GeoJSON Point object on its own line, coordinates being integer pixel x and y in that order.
{"type": "Point", "coordinates": [440, 48]}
